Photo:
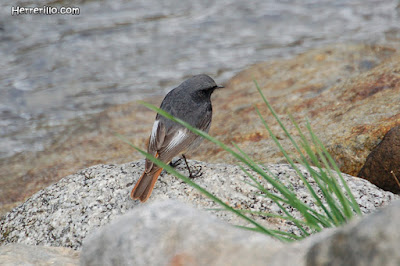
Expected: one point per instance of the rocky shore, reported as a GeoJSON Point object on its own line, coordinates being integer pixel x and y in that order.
{"type": "Point", "coordinates": [349, 93]}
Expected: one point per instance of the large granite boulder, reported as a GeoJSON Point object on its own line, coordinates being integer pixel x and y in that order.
{"type": "Point", "coordinates": [64, 213]}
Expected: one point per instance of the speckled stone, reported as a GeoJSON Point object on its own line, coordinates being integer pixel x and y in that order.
{"type": "Point", "coordinates": [64, 213]}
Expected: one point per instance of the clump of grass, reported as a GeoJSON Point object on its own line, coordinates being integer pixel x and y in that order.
{"type": "Point", "coordinates": [337, 206]}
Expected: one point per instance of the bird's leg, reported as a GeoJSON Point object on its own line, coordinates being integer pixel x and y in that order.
{"type": "Point", "coordinates": [195, 174]}
{"type": "Point", "coordinates": [175, 163]}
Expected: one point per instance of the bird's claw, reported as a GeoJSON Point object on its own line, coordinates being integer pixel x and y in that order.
{"type": "Point", "coordinates": [176, 163]}
{"type": "Point", "coordinates": [197, 173]}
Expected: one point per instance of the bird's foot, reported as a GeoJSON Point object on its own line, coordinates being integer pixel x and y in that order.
{"type": "Point", "coordinates": [196, 173]}
{"type": "Point", "coordinates": [192, 174]}
{"type": "Point", "coordinates": [175, 163]}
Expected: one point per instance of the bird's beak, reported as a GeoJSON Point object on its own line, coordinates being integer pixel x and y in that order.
{"type": "Point", "coordinates": [220, 87]}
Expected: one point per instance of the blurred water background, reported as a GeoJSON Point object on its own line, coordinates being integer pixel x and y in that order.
{"type": "Point", "coordinates": [56, 68]}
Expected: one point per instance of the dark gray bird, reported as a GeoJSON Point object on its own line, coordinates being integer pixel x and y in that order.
{"type": "Point", "coordinates": [191, 102]}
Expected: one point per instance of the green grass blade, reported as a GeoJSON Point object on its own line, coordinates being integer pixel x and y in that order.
{"type": "Point", "coordinates": [292, 200]}
{"type": "Point", "coordinates": [290, 161]}
{"type": "Point", "coordinates": [325, 156]}
{"type": "Point", "coordinates": [336, 214]}
{"type": "Point", "coordinates": [275, 198]}
{"type": "Point", "coordinates": [320, 178]}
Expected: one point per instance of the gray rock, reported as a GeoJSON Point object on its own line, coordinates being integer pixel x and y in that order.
{"type": "Point", "coordinates": [374, 240]}
{"type": "Point", "coordinates": [20, 254]}
{"type": "Point", "coordinates": [171, 233]}
{"type": "Point", "coordinates": [65, 212]}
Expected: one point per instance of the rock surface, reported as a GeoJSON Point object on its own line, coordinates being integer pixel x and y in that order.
{"type": "Point", "coordinates": [170, 233]}
{"type": "Point", "coordinates": [64, 213]}
{"type": "Point", "coordinates": [382, 166]}
{"type": "Point", "coordinates": [19, 254]}
{"type": "Point", "coordinates": [373, 240]}
{"type": "Point", "coordinates": [350, 93]}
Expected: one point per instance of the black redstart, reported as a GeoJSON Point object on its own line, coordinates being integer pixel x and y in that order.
{"type": "Point", "coordinates": [191, 102]}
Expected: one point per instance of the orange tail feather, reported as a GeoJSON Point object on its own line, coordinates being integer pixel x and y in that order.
{"type": "Point", "coordinates": [145, 185]}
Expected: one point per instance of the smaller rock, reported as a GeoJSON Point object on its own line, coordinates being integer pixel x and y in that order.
{"type": "Point", "coordinates": [384, 159]}
{"type": "Point", "coordinates": [373, 240]}
{"type": "Point", "coordinates": [20, 254]}
{"type": "Point", "coordinates": [172, 233]}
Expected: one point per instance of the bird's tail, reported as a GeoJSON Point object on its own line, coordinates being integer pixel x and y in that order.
{"type": "Point", "coordinates": [145, 185]}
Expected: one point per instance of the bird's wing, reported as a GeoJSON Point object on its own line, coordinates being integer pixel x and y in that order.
{"type": "Point", "coordinates": [166, 144]}
{"type": "Point", "coordinates": [205, 122]}
{"type": "Point", "coordinates": [155, 142]}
